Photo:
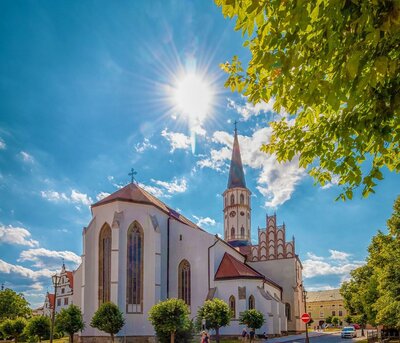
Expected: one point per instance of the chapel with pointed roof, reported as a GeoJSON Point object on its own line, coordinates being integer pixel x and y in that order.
{"type": "Point", "coordinates": [138, 251]}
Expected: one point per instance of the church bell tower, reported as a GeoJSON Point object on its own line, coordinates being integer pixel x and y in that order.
{"type": "Point", "coordinates": [237, 210]}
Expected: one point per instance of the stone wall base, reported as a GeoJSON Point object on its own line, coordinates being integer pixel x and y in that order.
{"type": "Point", "coordinates": [117, 339]}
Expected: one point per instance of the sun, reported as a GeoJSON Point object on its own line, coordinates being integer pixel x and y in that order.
{"type": "Point", "coordinates": [193, 97]}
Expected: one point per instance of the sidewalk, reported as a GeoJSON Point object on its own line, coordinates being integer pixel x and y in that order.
{"type": "Point", "coordinates": [292, 338]}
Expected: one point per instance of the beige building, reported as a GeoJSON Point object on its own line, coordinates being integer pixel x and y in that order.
{"type": "Point", "coordinates": [322, 304]}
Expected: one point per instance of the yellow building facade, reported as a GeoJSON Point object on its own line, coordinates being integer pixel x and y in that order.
{"type": "Point", "coordinates": [322, 304]}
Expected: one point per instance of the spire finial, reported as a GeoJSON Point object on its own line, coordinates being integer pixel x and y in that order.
{"type": "Point", "coordinates": [235, 123]}
{"type": "Point", "coordinates": [132, 175]}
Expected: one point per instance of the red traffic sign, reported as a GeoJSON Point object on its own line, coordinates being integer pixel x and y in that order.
{"type": "Point", "coordinates": [305, 317]}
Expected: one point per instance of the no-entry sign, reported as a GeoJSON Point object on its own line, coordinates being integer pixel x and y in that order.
{"type": "Point", "coordinates": [305, 317]}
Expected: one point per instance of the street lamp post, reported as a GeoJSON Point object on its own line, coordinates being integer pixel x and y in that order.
{"type": "Point", "coordinates": [305, 311]}
{"type": "Point", "coordinates": [56, 280]}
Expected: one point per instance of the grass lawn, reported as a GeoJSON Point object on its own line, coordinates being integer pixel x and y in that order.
{"type": "Point", "coordinates": [59, 340]}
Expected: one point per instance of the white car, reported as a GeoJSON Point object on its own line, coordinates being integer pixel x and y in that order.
{"type": "Point", "coordinates": [348, 332]}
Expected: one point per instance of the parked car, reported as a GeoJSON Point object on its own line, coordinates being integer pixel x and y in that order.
{"type": "Point", "coordinates": [356, 326]}
{"type": "Point", "coordinates": [349, 332]}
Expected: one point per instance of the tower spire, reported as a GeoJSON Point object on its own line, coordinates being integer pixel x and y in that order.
{"type": "Point", "coordinates": [236, 174]}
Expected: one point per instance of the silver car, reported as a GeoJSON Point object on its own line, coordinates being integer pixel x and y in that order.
{"type": "Point", "coordinates": [349, 332]}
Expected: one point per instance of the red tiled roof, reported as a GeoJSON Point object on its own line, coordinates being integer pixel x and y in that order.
{"type": "Point", "coordinates": [70, 276]}
{"type": "Point", "coordinates": [134, 193]}
{"type": "Point", "coordinates": [231, 268]}
{"type": "Point", "coordinates": [51, 299]}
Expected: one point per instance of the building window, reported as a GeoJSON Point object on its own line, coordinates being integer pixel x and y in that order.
{"type": "Point", "coordinates": [62, 290]}
{"type": "Point", "coordinates": [241, 199]}
{"type": "Point", "coordinates": [65, 301]}
{"type": "Point", "coordinates": [232, 199]}
{"type": "Point", "coordinates": [134, 273]}
{"type": "Point", "coordinates": [287, 312]}
{"type": "Point", "coordinates": [232, 232]}
{"type": "Point", "coordinates": [184, 291]}
{"type": "Point", "coordinates": [242, 231]}
{"type": "Point", "coordinates": [232, 306]}
{"type": "Point", "coordinates": [321, 314]}
{"type": "Point", "coordinates": [251, 303]}
{"type": "Point", "coordinates": [340, 313]}
{"type": "Point", "coordinates": [333, 313]}
{"type": "Point", "coordinates": [58, 302]}
{"type": "Point", "coordinates": [104, 264]}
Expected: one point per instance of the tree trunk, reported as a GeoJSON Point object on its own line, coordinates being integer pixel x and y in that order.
{"type": "Point", "coordinates": [112, 338]}
{"type": "Point", "coordinates": [172, 337]}
{"type": "Point", "coordinates": [71, 338]}
{"type": "Point", "coordinates": [362, 330]}
{"type": "Point", "coordinates": [217, 334]}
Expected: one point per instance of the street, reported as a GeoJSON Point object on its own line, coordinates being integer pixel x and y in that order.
{"type": "Point", "coordinates": [316, 338]}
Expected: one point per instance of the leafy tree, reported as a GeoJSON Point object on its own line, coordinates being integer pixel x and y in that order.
{"type": "Point", "coordinates": [335, 320]}
{"type": "Point", "coordinates": [108, 318]}
{"type": "Point", "coordinates": [39, 327]}
{"type": "Point", "coordinates": [333, 66]}
{"type": "Point", "coordinates": [373, 291]}
{"type": "Point", "coordinates": [253, 319]}
{"type": "Point", "coordinates": [13, 305]}
{"type": "Point", "coordinates": [13, 328]}
{"type": "Point", "coordinates": [217, 314]}
{"type": "Point", "coordinates": [70, 321]}
{"type": "Point", "coordinates": [348, 319]}
{"type": "Point", "coordinates": [328, 320]}
{"type": "Point", "coordinates": [170, 316]}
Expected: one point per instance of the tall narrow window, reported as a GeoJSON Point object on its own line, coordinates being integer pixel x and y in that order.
{"type": "Point", "coordinates": [104, 264]}
{"type": "Point", "coordinates": [232, 232]}
{"type": "Point", "coordinates": [242, 231]}
{"type": "Point", "coordinates": [134, 273]}
{"type": "Point", "coordinates": [251, 302]}
{"type": "Point", "coordinates": [287, 312]}
{"type": "Point", "coordinates": [241, 199]}
{"type": "Point", "coordinates": [232, 306]}
{"type": "Point", "coordinates": [184, 284]}
{"type": "Point", "coordinates": [232, 199]}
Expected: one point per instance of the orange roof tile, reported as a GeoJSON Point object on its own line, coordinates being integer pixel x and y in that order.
{"type": "Point", "coordinates": [70, 276]}
{"type": "Point", "coordinates": [51, 299]}
{"type": "Point", "coordinates": [231, 268]}
{"type": "Point", "coordinates": [134, 193]}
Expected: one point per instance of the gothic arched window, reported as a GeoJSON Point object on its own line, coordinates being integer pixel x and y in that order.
{"type": "Point", "coordinates": [232, 306]}
{"type": "Point", "coordinates": [232, 232]}
{"type": "Point", "coordinates": [252, 305]}
{"type": "Point", "coordinates": [242, 231]}
{"type": "Point", "coordinates": [232, 199]}
{"type": "Point", "coordinates": [184, 284]}
{"type": "Point", "coordinates": [287, 312]}
{"type": "Point", "coordinates": [241, 199]}
{"type": "Point", "coordinates": [104, 264]}
{"type": "Point", "coordinates": [134, 270]}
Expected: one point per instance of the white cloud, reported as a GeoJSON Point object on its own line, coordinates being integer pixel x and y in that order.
{"type": "Point", "coordinates": [80, 198]}
{"type": "Point", "coordinates": [207, 221]}
{"type": "Point", "coordinates": [26, 157]}
{"type": "Point", "coordinates": [8, 268]}
{"type": "Point", "coordinates": [248, 109]}
{"type": "Point", "coordinates": [336, 264]}
{"type": "Point", "coordinates": [175, 186]}
{"type": "Point", "coordinates": [276, 181]}
{"type": "Point", "coordinates": [2, 145]}
{"type": "Point", "coordinates": [145, 145]}
{"type": "Point", "coordinates": [157, 192]}
{"type": "Point", "coordinates": [321, 288]}
{"type": "Point", "coordinates": [75, 197]}
{"type": "Point", "coordinates": [44, 258]}
{"type": "Point", "coordinates": [334, 182]}
{"type": "Point", "coordinates": [177, 140]}
{"type": "Point", "coordinates": [102, 195]}
{"type": "Point", "coordinates": [16, 235]}
{"type": "Point", "coordinates": [339, 255]}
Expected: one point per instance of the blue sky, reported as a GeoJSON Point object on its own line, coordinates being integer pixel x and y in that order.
{"type": "Point", "coordinates": [85, 96]}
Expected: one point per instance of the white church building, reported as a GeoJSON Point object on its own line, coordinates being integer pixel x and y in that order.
{"type": "Point", "coordinates": [138, 251]}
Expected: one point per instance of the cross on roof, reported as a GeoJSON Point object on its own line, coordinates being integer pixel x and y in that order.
{"type": "Point", "coordinates": [132, 175]}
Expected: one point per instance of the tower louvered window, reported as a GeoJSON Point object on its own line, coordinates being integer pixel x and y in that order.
{"type": "Point", "coordinates": [232, 306]}
{"type": "Point", "coordinates": [252, 305]}
{"type": "Point", "coordinates": [134, 283]}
